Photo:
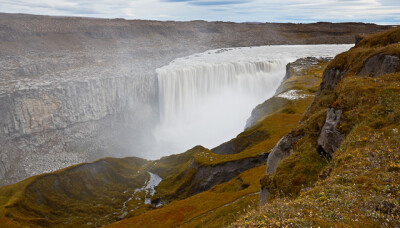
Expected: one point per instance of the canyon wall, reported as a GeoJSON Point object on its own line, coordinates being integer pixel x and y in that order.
{"type": "Point", "coordinates": [77, 89]}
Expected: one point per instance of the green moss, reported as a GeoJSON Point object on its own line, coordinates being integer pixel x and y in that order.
{"type": "Point", "coordinates": [384, 43]}
{"type": "Point", "coordinates": [300, 170]}
{"type": "Point", "coordinates": [360, 186]}
{"type": "Point", "coordinates": [209, 208]}
{"type": "Point", "coordinates": [386, 38]}
{"type": "Point", "coordinates": [81, 194]}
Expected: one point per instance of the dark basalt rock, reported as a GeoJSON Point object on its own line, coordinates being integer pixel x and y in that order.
{"type": "Point", "coordinates": [281, 150]}
{"type": "Point", "coordinates": [241, 142]}
{"type": "Point", "coordinates": [209, 176]}
{"type": "Point", "coordinates": [380, 64]}
{"type": "Point", "coordinates": [330, 78]}
{"type": "Point", "coordinates": [330, 139]}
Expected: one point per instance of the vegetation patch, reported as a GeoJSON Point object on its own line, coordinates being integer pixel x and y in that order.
{"type": "Point", "coordinates": [360, 185]}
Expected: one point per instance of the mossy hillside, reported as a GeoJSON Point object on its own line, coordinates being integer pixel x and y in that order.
{"type": "Point", "coordinates": [183, 172]}
{"type": "Point", "coordinates": [386, 42]}
{"type": "Point", "coordinates": [177, 172]}
{"type": "Point", "coordinates": [362, 190]}
{"type": "Point", "coordinates": [210, 207]}
{"type": "Point", "coordinates": [362, 169]}
{"type": "Point", "coordinates": [357, 98]}
{"type": "Point", "coordinates": [90, 194]}
{"type": "Point", "coordinates": [301, 169]}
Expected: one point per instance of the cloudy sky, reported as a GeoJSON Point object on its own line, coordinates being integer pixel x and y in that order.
{"type": "Point", "coordinates": [375, 11]}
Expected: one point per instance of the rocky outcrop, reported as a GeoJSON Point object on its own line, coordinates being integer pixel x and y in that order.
{"type": "Point", "coordinates": [295, 68]}
{"type": "Point", "coordinates": [330, 139]}
{"type": "Point", "coordinates": [380, 64]}
{"type": "Point", "coordinates": [281, 150]}
{"type": "Point", "coordinates": [209, 176]}
{"type": "Point", "coordinates": [197, 177]}
{"type": "Point", "coordinates": [330, 78]}
{"type": "Point", "coordinates": [243, 141]}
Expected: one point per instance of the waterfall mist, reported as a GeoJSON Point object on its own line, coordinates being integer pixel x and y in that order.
{"type": "Point", "coordinates": [205, 99]}
{"type": "Point", "coordinates": [206, 104]}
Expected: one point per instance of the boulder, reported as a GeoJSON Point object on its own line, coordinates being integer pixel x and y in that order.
{"type": "Point", "coordinates": [330, 139]}
{"type": "Point", "coordinates": [281, 150]}
{"type": "Point", "coordinates": [330, 78]}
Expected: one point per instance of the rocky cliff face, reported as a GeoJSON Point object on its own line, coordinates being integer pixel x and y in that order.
{"type": "Point", "coordinates": [51, 126]}
{"type": "Point", "coordinates": [76, 89]}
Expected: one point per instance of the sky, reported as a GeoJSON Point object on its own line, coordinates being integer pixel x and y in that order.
{"type": "Point", "coordinates": [296, 11]}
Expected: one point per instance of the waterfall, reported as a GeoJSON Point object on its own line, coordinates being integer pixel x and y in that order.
{"type": "Point", "coordinates": [205, 99]}
{"type": "Point", "coordinates": [182, 91]}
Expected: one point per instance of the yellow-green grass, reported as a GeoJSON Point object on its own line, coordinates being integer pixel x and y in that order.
{"type": "Point", "coordinates": [360, 187]}
{"type": "Point", "coordinates": [80, 194]}
{"type": "Point", "coordinates": [205, 206]}
{"type": "Point", "coordinates": [387, 42]}
{"type": "Point", "coordinates": [363, 189]}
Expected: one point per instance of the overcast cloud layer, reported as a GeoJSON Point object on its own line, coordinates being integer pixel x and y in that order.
{"type": "Point", "coordinates": [375, 11]}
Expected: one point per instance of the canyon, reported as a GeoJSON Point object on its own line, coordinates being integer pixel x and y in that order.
{"type": "Point", "coordinates": [77, 89]}
{"type": "Point", "coordinates": [325, 146]}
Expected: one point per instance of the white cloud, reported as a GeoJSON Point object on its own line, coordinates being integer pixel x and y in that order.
{"type": "Point", "coordinates": [378, 11]}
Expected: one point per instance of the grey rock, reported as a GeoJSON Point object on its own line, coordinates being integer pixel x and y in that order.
{"type": "Point", "coordinates": [380, 64]}
{"type": "Point", "coordinates": [330, 139]}
{"type": "Point", "coordinates": [264, 193]}
{"type": "Point", "coordinates": [208, 176]}
{"type": "Point", "coordinates": [49, 126]}
{"type": "Point", "coordinates": [281, 150]}
{"type": "Point", "coordinates": [330, 78]}
{"type": "Point", "coordinates": [299, 65]}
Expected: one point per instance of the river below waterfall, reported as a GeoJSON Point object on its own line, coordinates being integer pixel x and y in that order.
{"type": "Point", "coordinates": [206, 98]}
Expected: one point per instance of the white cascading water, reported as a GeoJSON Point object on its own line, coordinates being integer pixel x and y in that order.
{"type": "Point", "coordinates": [184, 90]}
{"type": "Point", "coordinates": [205, 99]}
